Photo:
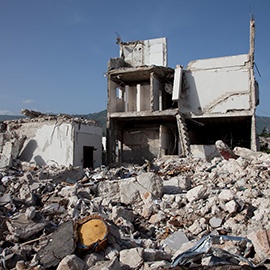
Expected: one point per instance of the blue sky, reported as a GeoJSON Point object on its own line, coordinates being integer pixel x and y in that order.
{"type": "Point", "coordinates": [54, 53]}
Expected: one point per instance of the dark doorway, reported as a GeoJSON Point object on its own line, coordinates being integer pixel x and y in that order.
{"type": "Point", "coordinates": [88, 157]}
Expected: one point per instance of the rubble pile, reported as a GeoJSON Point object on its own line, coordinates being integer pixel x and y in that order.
{"type": "Point", "coordinates": [164, 215]}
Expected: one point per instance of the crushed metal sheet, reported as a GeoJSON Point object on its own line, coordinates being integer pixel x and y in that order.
{"type": "Point", "coordinates": [218, 256]}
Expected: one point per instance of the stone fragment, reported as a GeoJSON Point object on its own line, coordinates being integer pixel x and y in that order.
{"type": "Point", "coordinates": [231, 206]}
{"type": "Point", "coordinates": [215, 222]}
{"type": "Point", "coordinates": [175, 241]}
{"type": "Point", "coordinates": [71, 262]}
{"type": "Point", "coordinates": [5, 199]}
{"type": "Point", "coordinates": [132, 189]}
{"type": "Point", "coordinates": [158, 265]}
{"type": "Point", "coordinates": [152, 183]}
{"type": "Point", "coordinates": [30, 212]}
{"type": "Point", "coordinates": [148, 208]}
{"type": "Point", "coordinates": [247, 153]}
{"type": "Point", "coordinates": [109, 189]}
{"type": "Point", "coordinates": [231, 225]}
{"type": "Point", "coordinates": [20, 226]}
{"type": "Point", "coordinates": [110, 253]}
{"type": "Point", "coordinates": [92, 258]}
{"type": "Point", "coordinates": [198, 226]}
{"type": "Point", "coordinates": [132, 257]}
{"type": "Point", "coordinates": [196, 193]}
{"type": "Point", "coordinates": [261, 242]}
{"type": "Point", "coordinates": [157, 217]}
{"type": "Point", "coordinates": [226, 195]}
{"type": "Point", "coordinates": [11, 150]}
{"type": "Point", "coordinates": [120, 211]}
{"type": "Point", "coordinates": [151, 255]}
{"type": "Point", "coordinates": [114, 264]}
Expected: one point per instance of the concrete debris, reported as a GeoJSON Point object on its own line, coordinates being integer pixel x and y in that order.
{"type": "Point", "coordinates": [71, 262]}
{"type": "Point", "coordinates": [149, 218]}
{"type": "Point", "coordinates": [132, 257]}
{"type": "Point", "coordinates": [60, 244]}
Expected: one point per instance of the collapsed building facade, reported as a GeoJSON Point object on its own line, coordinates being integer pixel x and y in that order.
{"type": "Point", "coordinates": [154, 110]}
{"type": "Point", "coordinates": [44, 139]}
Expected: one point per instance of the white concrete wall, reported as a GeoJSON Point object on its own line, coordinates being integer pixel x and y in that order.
{"type": "Point", "coordinates": [86, 135]}
{"type": "Point", "coordinates": [114, 101]}
{"type": "Point", "coordinates": [156, 51]}
{"type": "Point", "coordinates": [146, 52]}
{"type": "Point", "coordinates": [130, 98]}
{"type": "Point", "coordinates": [47, 142]}
{"type": "Point", "coordinates": [143, 97]}
{"type": "Point", "coordinates": [217, 85]}
{"type": "Point", "coordinates": [140, 144]}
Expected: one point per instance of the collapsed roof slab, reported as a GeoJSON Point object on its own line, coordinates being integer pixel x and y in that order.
{"type": "Point", "coordinates": [139, 74]}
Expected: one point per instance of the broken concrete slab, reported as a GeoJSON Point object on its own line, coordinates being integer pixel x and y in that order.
{"type": "Point", "coordinates": [122, 212]}
{"type": "Point", "coordinates": [22, 227]}
{"type": "Point", "coordinates": [261, 241]}
{"type": "Point", "coordinates": [60, 245]}
{"type": "Point", "coordinates": [196, 193]}
{"type": "Point", "coordinates": [10, 150]}
{"type": "Point", "coordinates": [5, 199]}
{"type": "Point", "coordinates": [132, 257]}
{"type": "Point", "coordinates": [133, 189]}
{"type": "Point", "coordinates": [175, 241]}
{"type": "Point", "coordinates": [62, 174]}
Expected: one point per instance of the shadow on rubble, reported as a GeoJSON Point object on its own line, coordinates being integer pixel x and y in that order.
{"type": "Point", "coordinates": [28, 151]}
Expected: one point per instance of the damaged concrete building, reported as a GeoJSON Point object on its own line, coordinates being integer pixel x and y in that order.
{"type": "Point", "coordinates": [154, 110]}
{"type": "Point", "coordinates": [51, 139]}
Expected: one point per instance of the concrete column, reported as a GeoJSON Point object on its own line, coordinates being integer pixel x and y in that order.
{"type": "Point", "coordinates": [126, 98]}
{"type": "Point", "coordinates": [138, 98]}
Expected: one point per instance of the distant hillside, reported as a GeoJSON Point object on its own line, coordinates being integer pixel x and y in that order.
{"type": "Point", "coordinates": [10, 117]}
{"type": "Point", "coordinates": [261, 121]}
{"type": "Point", "coordinates": [99, 116]}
